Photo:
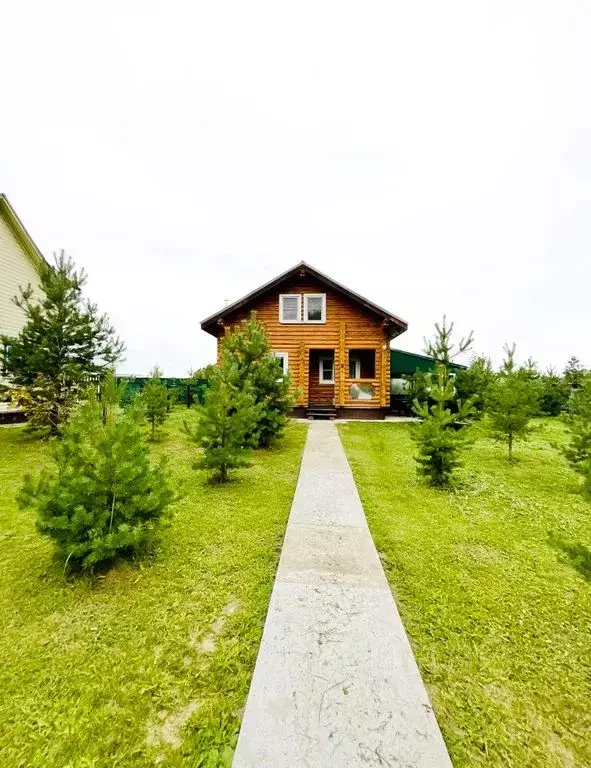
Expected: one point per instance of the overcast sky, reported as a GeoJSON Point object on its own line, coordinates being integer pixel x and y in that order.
{"type": "Point", "coordinates": [432, 156]}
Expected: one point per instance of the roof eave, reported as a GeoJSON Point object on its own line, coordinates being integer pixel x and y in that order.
{"type": "Point", "coordinates": [210, 323]}
{"type": "Point", "coordinates": [21, 233]}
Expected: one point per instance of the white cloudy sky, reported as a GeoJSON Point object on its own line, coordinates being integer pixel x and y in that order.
{"type": "Point", "coordinates": [435, 157]}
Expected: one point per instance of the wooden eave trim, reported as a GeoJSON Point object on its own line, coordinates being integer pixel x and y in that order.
{"type": "Point", "coordinates": [20, 232]}
{"type": "Point", "coordinates": [396, 325]}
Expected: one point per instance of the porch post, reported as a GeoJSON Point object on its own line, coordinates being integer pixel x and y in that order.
{"type": "Point", "coordinates": [341, 368]}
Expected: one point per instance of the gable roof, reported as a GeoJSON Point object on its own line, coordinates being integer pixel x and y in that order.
{"type": "Point", "coordinates": [210, 323]}
{"type": "Point", "coordinates": [18, 228]}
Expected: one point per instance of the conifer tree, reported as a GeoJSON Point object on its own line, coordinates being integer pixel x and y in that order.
{"type": "Point", "coordinates": [102, 499]}
{"type": "Point", "coordinates": [226, 419]}
{"type": "Point", "coordinates": [474, 383]}
{"type": "Point", "coordinates": [154, 399]}
{"type": "Point", "coordinates": [64, 342]}
{"type": "Point", "coordinates": [442, 434]}
{"type": "Point", "coordinates": [574, 373]}
{"type": "Point", "coordinates": [512, 401]}
{"type": "Point", "coordinates": [578, 450]}
{"type": "Point", "coordinates": [442, 349]}
{"type": "Point", "coordinates": [261, 372]}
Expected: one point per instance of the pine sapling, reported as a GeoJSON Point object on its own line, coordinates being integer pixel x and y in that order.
{"type": "Point", "coordinates": [227, 417]}
{"type": "Point", "coordinates": [442, 434]}
{"type": "Point", "coordinates": [102, 499]}
{"type": "Point", "coordinates": [512, 402]}
{"type": "Point", "coordinates": [578, 450]}
{"type": "Point", "coordinates": [154, 398]}
{"type": "Point", "coordinates": [63, 344]}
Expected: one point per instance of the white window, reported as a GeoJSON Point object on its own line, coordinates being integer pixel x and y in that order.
{"type": "Point", "coordinates": [326, 370]}
{"type": "Point", "coordinates": [314, 307]}
{"type": "Point", "coordinates": [354, 367]}
{"type": "Point", "coordinates": [283, 359]}
{"type": "Point", "coordinates": [290, 308]}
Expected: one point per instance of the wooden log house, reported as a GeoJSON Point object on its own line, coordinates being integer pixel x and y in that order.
{"type": "Point", "coordinates": [333, 342]}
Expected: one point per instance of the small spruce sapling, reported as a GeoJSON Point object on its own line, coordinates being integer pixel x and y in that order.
{"type": "Point", "coordinates": [154, 399]}
{"type": "Point", "coordinates": [512, 401]}
{"type": "Point", "coordinates": [101, 499]}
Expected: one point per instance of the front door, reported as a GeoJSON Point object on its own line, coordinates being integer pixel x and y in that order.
{"type": "Point", "coordinates": [321, 377]}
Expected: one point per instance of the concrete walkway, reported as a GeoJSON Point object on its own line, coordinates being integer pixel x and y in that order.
{"type": "Point", "coordinates": [335, 684]}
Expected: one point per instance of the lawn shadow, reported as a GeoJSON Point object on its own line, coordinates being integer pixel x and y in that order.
{"type": "Point", "coordinates": [577, 554]}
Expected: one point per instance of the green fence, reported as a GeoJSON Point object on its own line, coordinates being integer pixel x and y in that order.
{"type": "Point", "coordinates": [181, 391]}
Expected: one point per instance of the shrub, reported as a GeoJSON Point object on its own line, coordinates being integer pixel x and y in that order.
{"type": "Point", "coordinates": [102, 499]}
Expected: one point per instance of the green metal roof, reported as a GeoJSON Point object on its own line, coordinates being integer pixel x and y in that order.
{"type": "Point", "coordinates": [404, 363]}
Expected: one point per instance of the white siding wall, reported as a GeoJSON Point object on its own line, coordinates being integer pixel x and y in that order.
{"type": "Point", "coordinates": [16, 269]}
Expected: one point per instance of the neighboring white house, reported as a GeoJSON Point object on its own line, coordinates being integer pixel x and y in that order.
{"type": "Point", "coordinates": [19, 263]}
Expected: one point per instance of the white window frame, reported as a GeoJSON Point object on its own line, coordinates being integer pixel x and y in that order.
{"type": "Point", "coordinates": [323, 311]}
{"type": "Point", "coordinates": [321, 361]}
{"type": "Point", "coordinates": [284, 357]}
{"type": "Point", "coordinates": [357, 361]}
{"type": "Point", "coordinates": [297, 296]}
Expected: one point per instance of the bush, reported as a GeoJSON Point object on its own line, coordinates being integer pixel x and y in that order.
{"type": "Point", "coordinates": [102, 499]}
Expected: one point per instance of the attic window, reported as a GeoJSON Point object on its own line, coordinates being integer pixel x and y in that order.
{"type": "Point", "coordinates": [314, 307]}
{"type": "Point", "coordinates": [290, 308]}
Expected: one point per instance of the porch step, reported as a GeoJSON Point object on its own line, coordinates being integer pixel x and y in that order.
{"type": "Point", "coordinates": [321, 412]}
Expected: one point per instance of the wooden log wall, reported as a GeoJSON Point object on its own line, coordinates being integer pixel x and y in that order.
{"type": "Point", "coordinates": [348, 326]}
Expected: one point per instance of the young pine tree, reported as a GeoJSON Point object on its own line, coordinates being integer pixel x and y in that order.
{"type": "Point", "coordinates": [256, 368]}
{"type": "Point", "coordinates": [154, 398]}
{"type": "Point", "coordinates": [102, 499]}
{"type": "Point", "coordinates": [474, 383]}
{"type": "Point", "coordinates": [441, 436]}
{"type": "Point", "coordinates": [442, 349]}
{"type": "Point", "coordinates": [578, 450]}
{"type": "Point", "coordinates": [63, 343]}
{"type": "Point", "coordinates": [574, 373]}
{"type": "Point", "coordinates": [512, 402]}
{"type": "Point", "coordinates": [227, 417]}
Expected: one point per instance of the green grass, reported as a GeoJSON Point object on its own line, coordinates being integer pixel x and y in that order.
{"type": "Point", "coordinates": [499, 616]}
{"type": "Point", "coordinates": [149, 664]}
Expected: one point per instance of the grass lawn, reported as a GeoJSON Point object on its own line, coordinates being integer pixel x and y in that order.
{"type": "Point", "coordinates": [499, 617]}
{"type": "Point", "coordinates": [150, 664]}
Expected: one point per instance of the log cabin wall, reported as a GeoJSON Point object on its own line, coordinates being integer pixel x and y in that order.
{"type": "Point", "coordinates": [348, 326]}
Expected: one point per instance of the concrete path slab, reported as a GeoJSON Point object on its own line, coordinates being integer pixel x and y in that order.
{"type": "Point", "coordinates": [336, 683]}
